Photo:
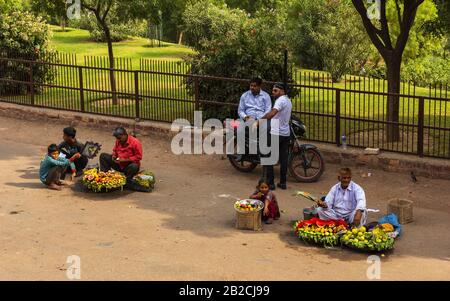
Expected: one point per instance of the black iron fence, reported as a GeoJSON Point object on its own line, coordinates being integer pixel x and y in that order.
{"type": "Point", "coordinates": [355, 107]}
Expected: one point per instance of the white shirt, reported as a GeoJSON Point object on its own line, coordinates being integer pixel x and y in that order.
{"type": "Point", "coordinates": [255, 106]}
{"type": "Point", "coordinates": [284, 106]}
{"type": "Point", "coordinates": [345, 201]}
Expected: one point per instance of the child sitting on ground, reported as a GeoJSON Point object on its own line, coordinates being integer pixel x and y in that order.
{"type": "Point", "coordinates": [53, 167]}
{"type": "Point", "coordinates": [265, 195]}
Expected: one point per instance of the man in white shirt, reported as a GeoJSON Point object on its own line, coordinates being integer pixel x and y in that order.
{"type": "Point", "coordinates": [281, 114]}
{"type": "Point", "coordinates": [346, 200]}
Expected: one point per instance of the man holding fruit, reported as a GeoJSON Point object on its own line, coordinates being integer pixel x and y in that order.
{"type": "Point", "coordinates": [126, 155]}
{"type": "Point", "coordinates": [346, 200]}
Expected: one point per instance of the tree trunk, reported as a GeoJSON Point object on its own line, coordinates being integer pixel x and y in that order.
{"type": "Point", "coordinates": [393, 104]}
{"type": "Point", "coordinates": [112, 78]}
{"type": "Point", "coordinates": [180, 38]}
{"type": "Point", "coordinates": [63, 24]}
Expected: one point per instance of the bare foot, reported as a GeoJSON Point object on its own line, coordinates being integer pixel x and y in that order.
{"type": "Point", "coordinates": [60, 183]}
{"type": "Point", "coordinates": [54, 187]}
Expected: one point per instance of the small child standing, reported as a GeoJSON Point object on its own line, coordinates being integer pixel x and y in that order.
{"type": "Point", "coordinates": [265, 195]}
{"type": "Point", "coordinates": [53, 167]}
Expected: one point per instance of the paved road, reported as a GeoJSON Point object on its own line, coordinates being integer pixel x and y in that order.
{"type": "Point", "coordinates": [184, 230]}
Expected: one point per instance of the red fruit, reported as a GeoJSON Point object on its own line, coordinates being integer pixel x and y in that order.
{"type": "Point", "coordinates": [322, 223]}
{"type": "Point", "coordinates": [341, 222]}
{"type": "Point", "coordinates": [309, 222]}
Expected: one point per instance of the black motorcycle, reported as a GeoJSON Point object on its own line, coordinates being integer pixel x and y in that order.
{"type": "Point", "coordinates": [305, 163]}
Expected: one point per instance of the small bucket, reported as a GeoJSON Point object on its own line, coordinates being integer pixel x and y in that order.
{"type": "Point", "coordinates": [308, 213]}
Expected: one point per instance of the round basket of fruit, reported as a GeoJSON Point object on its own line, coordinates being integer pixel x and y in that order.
{"type": "Point", "coordinates": [97, 181]}
{"type": "Point", "coordinates": [145, 180]}
{"type": "Point", "coordinates": [320, 232]}
{"type": "Point", "coordinates": [376, 240]}
{"type": "Point", "coordinates": [247, 206]}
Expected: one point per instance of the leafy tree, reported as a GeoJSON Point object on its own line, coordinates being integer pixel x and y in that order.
{"type": "Point", "coordinates": [391, 46]}
{"type": "Point", "coordinates": [328, 35]}
{"type": "Point", "coordinates": [23, 36]}
{"type": "Point", "coordinates": [210, 24]}
{"type": "Point", "coordinates": [101, 10]}
{"type": "Point", "coordinates": [166, 14]}
{"type": "Point", "coordinates": [55, 11]}
{"type": "Point", "coordinates": [236, 47]}
{"type": "Point", "coordinates": [252, 6]}
{"type": "Point", "coordinates": [443, 24]}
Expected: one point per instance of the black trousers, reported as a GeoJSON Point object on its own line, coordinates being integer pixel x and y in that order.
{"type": "Point", "coordinates": [81, 163]}
{"type": "Point", "coordinates": [268, 173]}
{"type": "Point", "coordinates": [54, 175]}
{"type": "Point", "coordinates": [107, 162]}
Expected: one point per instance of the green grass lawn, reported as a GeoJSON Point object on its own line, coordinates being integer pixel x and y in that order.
{"type": "Point", "coordinates": [78, 41]}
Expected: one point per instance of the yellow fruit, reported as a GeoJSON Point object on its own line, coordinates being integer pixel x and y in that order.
{"type": "Point", "coordinates": [378, 240]}
{"type": "Point", "coordinates": [362, 229]}
{"type": "Point", "coordinates": [354, 230]}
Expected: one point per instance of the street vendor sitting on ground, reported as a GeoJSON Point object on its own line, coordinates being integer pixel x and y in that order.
{"type": "Point", "coordinates": [346, 200]}
{"type": "Point", "coordinates": [71, 147]}
{"type": "Point", "coordinates": [126, 156]}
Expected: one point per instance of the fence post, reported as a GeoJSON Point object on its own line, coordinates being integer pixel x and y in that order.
{"type": "Point", "coordinates": [196, 94]}
{"type": "Point", "coordinates": [136, 91]}
{"type": "Point", "coordinates": [80, 77]}
{"type": "Point", "coordinates": [338, 117]}
{"type": "Point", "coordinates": [31, 80]}
{"type": "Point", "coordinates": [420, 127]}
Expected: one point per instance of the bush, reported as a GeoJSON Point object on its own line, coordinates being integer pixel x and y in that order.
{"type": "Point", "coordinates": [120, 31]}
{"type": "Point", "coordinates": [23, 36]}
{"type": "Point", "coordinates": [231, 44]}
{"type": "Point", "coordinates": [426, 71]}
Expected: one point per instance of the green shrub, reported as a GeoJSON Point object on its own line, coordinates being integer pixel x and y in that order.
{"type": "Point", "coordinates": [119, 31]}
{"type": "Point", "coordinates": [23, 36]}
{"type": "Point", "coordinates": [429, 70]}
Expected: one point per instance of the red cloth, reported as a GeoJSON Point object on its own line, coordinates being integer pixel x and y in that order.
{"type": "Point", "coordinates": [274, 210]}
{"type": "Point", "coordinates": [131, 150]}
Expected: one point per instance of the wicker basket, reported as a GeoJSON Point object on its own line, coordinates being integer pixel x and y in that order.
{"type": "Point", "coordinates": [249, 220]}
{"type": "Point", "coordinates": [402, 208]}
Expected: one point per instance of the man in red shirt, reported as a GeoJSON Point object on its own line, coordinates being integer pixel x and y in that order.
{"type": "Point", "coordinates": [126, 156]}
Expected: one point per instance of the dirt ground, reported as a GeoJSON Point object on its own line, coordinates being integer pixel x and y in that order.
{"type": "Point", "coordinates": [184, 230]}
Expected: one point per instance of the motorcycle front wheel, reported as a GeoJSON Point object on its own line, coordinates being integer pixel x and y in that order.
{"type": "Point", "coordinates": [242, 166]}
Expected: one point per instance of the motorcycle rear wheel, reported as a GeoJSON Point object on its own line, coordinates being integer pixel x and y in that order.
{"type": "Point", "coordinates": [309, 171]}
